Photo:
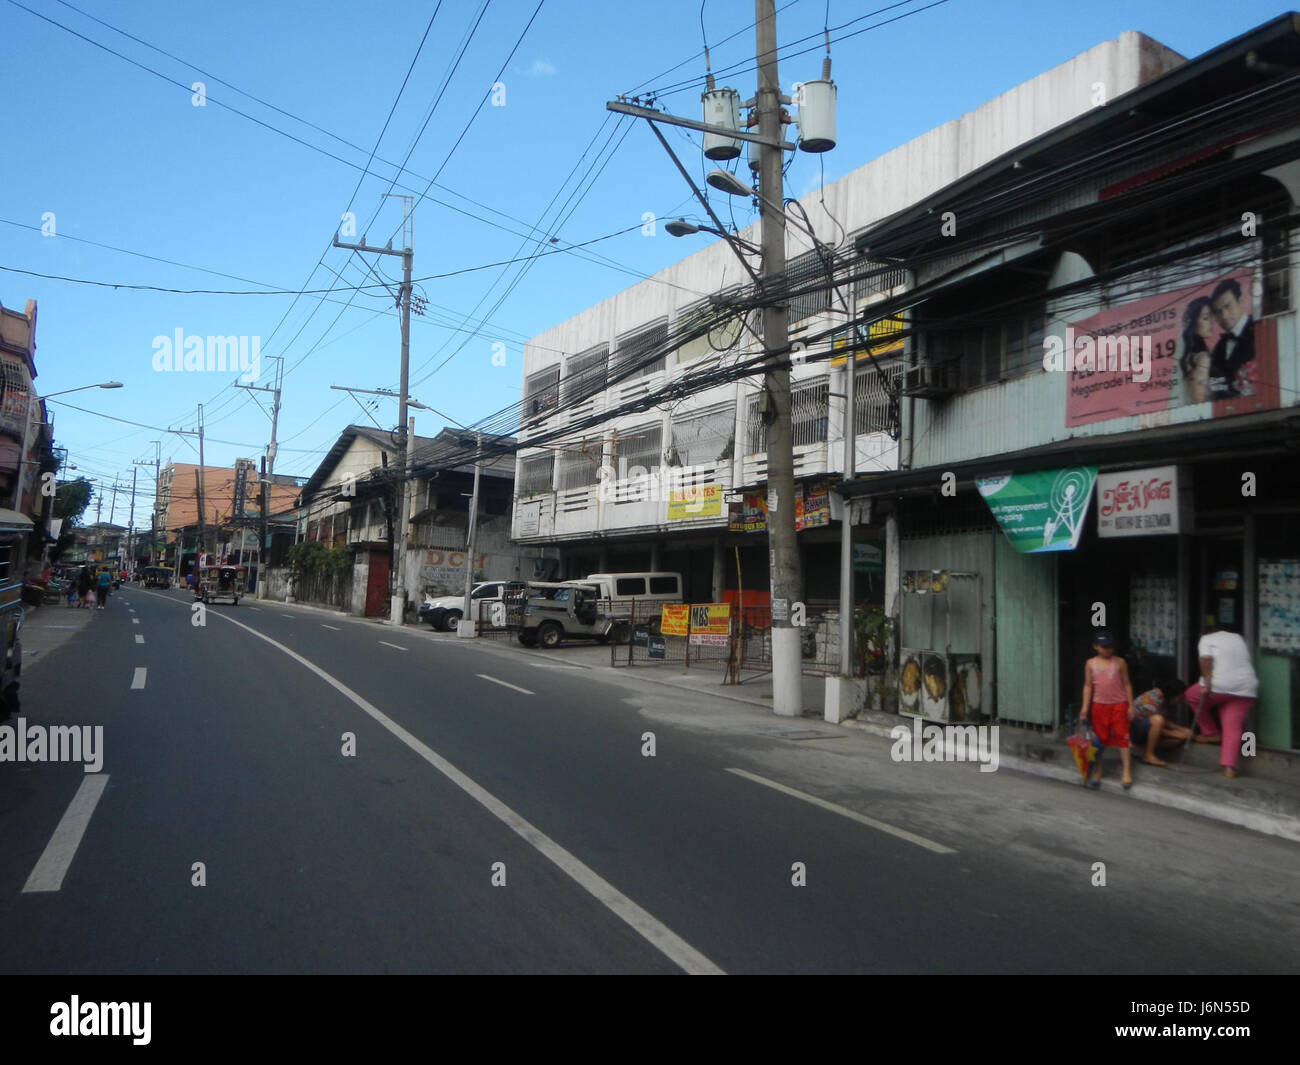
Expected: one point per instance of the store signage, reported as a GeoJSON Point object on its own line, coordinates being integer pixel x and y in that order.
{"type": "Point", "coordinates": [1138, 503]}
{"type": "Point", "coordinates": [868, 558]}
{"type": "Point", "coordinates": [701, 501]}
{"type": "Point", "coordinates": [1040, 511]}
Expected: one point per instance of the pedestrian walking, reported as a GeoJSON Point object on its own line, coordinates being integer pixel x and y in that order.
{"type": "Point", "coordinates": [83, 585]}
{"type": "Point", "coordinates": [105, 585]}
{"type": "Point", "coordinates": [1108, 701]}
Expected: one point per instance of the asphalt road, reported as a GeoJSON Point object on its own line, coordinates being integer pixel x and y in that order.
{"type": "Point", "coordinates": [479, 761]}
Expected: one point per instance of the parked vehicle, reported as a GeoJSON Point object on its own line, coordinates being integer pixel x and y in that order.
{"type": "Point", "coordinates": [647, 590]}
{"type": "Point", "coordinates": [558, 611]}
{"type": "Point", "coordinates": [444, 612]}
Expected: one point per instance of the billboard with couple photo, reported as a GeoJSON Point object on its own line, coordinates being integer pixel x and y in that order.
{"type": "Point", "coordinates": [1190, 346]}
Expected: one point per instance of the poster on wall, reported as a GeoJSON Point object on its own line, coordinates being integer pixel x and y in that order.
{"type": "Point", "coordinates": [1040, 511]}
{"type": "Point", "coordinates": [1153, 614]}
{"type": "Point", "coordinates": [812, 505]}
{"type": "Point", "coordinates": [812, 509]}
{"type": "Point", "coordinates": [1279, 605]}
{"type": "Point", "coordinates": [1193, 346]}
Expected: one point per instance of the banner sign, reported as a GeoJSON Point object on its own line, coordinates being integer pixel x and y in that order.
{"type": "Point", "coordinates": [1196, 345]}
{"type": "Point", "coordinates": [1138, 503]}
{"type": "Point", "coordinates": [812, 505]}
{"type": "Point", "coordinates": [702, 501]}
{"type": "Point", "coordinates": [713, 618]}
{"type": "Point", "coordinates": [674, 619]}
{"type": "Point", "coordinates": [749, 515]}
{"type": "Point", "coordinates": [1040, 511]}
{"type": "Point", "coordinates": [812, 509]}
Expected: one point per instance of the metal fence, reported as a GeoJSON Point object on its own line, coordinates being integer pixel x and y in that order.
{"type": "Point", "coordinates": [744, 653]}
{"type": "Point", "coordinates": [499, 619]}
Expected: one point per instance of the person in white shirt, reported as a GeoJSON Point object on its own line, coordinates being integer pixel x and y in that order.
{"type": "Point", "coordinates": [1227, 691]}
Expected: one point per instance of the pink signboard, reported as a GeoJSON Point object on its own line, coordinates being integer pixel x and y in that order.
{"type": "Point", "coordinates": [1199, 345]}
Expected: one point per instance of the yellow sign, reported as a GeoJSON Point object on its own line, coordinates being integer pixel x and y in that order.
{"type": "Point", "coordinates": [674, 619]}
{"type": "Point", "coordinates": [714, 618]}
{"type": "Point", "coordinates": [702, 501]}
{"type": "Point", "coordinates": [886, 335]}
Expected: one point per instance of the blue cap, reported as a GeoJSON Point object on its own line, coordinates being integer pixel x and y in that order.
{"type": "Point", "coordinates": [1104, 638]}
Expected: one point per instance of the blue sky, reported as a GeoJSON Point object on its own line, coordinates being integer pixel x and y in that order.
{"type": "Point", "coordinates": [123, 158]}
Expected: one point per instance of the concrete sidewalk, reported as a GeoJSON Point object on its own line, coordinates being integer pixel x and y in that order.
{"type": "Point", "coordinates": [48, 628]}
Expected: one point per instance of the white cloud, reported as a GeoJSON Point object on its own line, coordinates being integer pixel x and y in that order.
{"type": "Point", "coordinates": [541, 68]}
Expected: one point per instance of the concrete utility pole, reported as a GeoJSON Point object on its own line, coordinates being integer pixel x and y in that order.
{"type": "Point", "coordinates": [268, 462]}
{"type": "Point", "coordinates": [202, 536]}
{"type": "Point", "coordinates": [398, 611]}
{"type": "Point", "coordinates": [130, 526]}
{"type": "Point", "coordinates": [157, 496]}
{"type": "Point", "coordinates": [783, 547]}
{"type": "Point", "coordinates": [468, 626]}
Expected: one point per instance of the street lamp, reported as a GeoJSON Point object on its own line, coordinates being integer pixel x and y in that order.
{"type": "Point", "coordinates": [679, 227]}
{"type": "Point", "coordinates": [726, 181]}
{"type": "Point", "coordinates": [106, 384]}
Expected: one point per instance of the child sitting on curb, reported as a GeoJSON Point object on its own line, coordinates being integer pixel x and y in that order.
{"type": "Point", "coordinates": [1151, 728]}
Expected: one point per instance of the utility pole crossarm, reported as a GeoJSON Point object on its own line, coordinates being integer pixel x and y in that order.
{"type": "Point", "coordinates": [689, 123]}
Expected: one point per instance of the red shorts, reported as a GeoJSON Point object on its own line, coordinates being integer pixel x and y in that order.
{"type": "Point", "coordinates": [1110, 723]}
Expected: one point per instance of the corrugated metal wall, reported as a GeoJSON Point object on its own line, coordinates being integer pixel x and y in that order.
{"type": "Point", "coordinates": [1015, 615]}
{"type": "Point", "coordinates": [1027, 641]}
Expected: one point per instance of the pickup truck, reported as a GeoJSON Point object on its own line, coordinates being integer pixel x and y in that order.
{"type": "Point", "coordinates": [444, 612]}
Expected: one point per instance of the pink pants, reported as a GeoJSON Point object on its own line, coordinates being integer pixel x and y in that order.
{"type": "Point", "coordinates": [1232, 711]}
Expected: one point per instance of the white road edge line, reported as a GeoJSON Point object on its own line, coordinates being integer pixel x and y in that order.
{"type": "Point", "coordinates": [394, 645]}
{"type": "Point", "coordinates": [138, 678]}
{"type": "Point", "coordinates": [53, 863]}
{"type": "Point", "coordinates": [334, 627]}
{"type": "Point", "coordinates": [505, 684]}
{"type": "Point", "coordinates": [257, 608]}
{"type": "Point", "coordinates": [657, 934]}
{"type": "Point", "coordinates": [843, 811]}
{"type": "Point", "coordinates": [286, 615]}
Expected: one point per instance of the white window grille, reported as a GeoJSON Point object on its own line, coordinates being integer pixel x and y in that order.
{"type": "Point", "coordinates": [578, 470]}
{"type": "Point", "coordinates": [541, 391]}
{"type": "Point", "coordinates": [809, 412]}
{"type": "Point", "coordinates": [635, 348]}
{"type": "Point", "coordinates": [585, 375]}
{"type": "Point", "coordinates": [536, 474]}
{"type": "Point", "coordinates": [870, 399]}
{"type": "Point", "coordinates": [703, 439]}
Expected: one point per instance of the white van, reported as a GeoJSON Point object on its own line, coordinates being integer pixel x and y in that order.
{"type": "Point", "coordinates": [619, 591]}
